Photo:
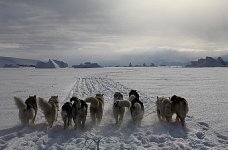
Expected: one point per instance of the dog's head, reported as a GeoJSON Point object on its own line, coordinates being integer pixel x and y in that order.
{"type": "Point", "coordinates": [67, 106]}
{"type": "Point", "coordinates": [100, 96]}
{"type": "Point", "coordinates": [176, 99]}
{"type": "Point", "coordinates": [32, 99]}
{"type": "Point", "coordinates": [173, 98]}
{"type": "Point", "coordinates": [134, 92]}
{"type": "Point", "coordinates": [118, 96]}
{"type": "Point", "coordinates": [77, 103]}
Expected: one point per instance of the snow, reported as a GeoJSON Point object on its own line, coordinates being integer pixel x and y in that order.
{"type": "Point", "coordinates": [204, 88]}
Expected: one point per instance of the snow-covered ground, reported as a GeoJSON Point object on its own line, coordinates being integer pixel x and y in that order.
{"type": "Point", "coordinates": [205, 89]}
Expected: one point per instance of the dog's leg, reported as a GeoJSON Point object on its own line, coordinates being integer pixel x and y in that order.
{"type": "Point", "coordinates": [116, 117]}
{"type": "Point", "coordinates": [27, 121]}
{"type": "Point", "coordinates": [83, 123]}
{"type": "Point", "coordinates": [178, 118]}
{"type": "Point", "coordinates": [34, 118]}
{"type": "Point", "coordinates": [65, 120]}
{"type": "Point", "coordinates": [168, 119]}
{"type": "Point", "coordinates": [75, 122]}
{"type": "Point", "coordinates": [50, 122]}
{"type": "Point", "coordinates": [182, 119]}
{"type": "Point", "coordinates": [69, 121]}
{"type": "Point", "coordinates": [99, 117]}
{"type": "Point", "coordinates": [121, 117]}
{"type": "Point", "coordinates": [93, 117]}
{"type": "Point", "coordinates": [159, 114]}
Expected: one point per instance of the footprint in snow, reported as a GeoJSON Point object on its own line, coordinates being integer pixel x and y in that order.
{"type": "Point", "coordinates": [200, 135]}
{"type": "Point", "coordinates": [204, 125]}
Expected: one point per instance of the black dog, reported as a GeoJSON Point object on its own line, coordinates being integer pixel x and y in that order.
{"type": "Point", "coordinates": [79, 112]}
{"type": "Point", "coordinates": [180, 107]}
{"type": "Point", "coordinates": [136, 112]}
{"type": "Point", "coordinates": [135, 100]}
{"type": "Point", "coordinates": [66, 114]}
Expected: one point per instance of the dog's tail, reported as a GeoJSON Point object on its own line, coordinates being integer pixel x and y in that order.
{"type": "Point", "coordinates": [20, 103]}
{"type": "Point", "coordinates": [44, 105]}
{"type": "Point", "coordinates": [123, 103]}
{"type": "Point", "coordinates": [94, 101]}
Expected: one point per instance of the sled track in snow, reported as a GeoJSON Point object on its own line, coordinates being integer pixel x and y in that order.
{"type": "Point", "coordinates": [152, 135]}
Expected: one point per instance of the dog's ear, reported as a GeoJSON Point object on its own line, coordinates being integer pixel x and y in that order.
{"type": "Point", "coordinates": [157, 97]}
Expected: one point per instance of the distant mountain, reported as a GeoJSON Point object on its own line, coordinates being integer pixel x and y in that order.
{"type": "Point", "coordinates": [208, 62]}
{"type": "Point", "coordinates": [51, 64]}
{"type": "Point", "coordinates": [87, 65]}
{"type": "Point", "coordinates": [17, 62]}
{"type": "Point", "coordinates": [225, 58]}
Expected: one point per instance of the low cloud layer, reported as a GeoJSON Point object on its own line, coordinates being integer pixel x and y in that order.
{"type": "Point", "coordinates": [113, 31]}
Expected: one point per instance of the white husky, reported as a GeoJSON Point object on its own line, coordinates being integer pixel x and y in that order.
{"type": "Point", "coordinates": [164, 108]}
{"type": "Point", "coordinates": [119, 107]}
{"type": "Point", "coordinates": [27, 109]}
{"type": "Point", "coordinates": [96, 107]}
{"type": "Point", "coordinates": [50, 109]}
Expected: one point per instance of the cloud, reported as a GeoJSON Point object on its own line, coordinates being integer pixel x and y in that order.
{"type": "Point", "coordinates": [113, 30]}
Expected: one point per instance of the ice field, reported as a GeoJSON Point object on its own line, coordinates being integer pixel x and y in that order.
{"type": "Point", "coordinates": [204, 88]}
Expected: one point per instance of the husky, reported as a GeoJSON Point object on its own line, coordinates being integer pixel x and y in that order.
{"type": "Point", "coordinates": [50, 109]}
{"type": "Point", "coordinates": [180, 107]}
{"type": "Point", "coordinates": [66, 114]}
{"type": "Point", "coordinates": [164, 110]}
{"type": "Point", "coordinates": [137, 108]}
{"type": "Point", "coordinates": [27, 109]}
{"type": "Point", "coordinates": [119, 107]}
{"type": "Point", "coordinates": [79, 112]}
{"type": "Point", "coordinates": [96, 107]}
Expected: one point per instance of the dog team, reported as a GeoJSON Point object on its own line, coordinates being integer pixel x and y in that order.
{"type": "Point", "coordinates": [76, 109]}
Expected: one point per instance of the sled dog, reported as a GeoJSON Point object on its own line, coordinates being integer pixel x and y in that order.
{"type": "Point", "coordinates": [66, 114]}
{"type": "Point", "coordinates": [79, 112]}
{"type": "Point", "coordinates": [180, 107]}
{"type": "Point", "coordinates": [50, 109]}
{"type": "Point", "coordinates": [96, 107]}
{"type": "Point", "coordinates": [119, 107]}
{"type": "Point", "coordinates": [27, 109]}
{"type": "Point", "coordinates": [137, 107]}
{"type": "Point", "coordinates": [164, 110]}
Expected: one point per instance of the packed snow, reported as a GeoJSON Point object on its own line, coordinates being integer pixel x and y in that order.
{"type": "Point", "coordinates": [204, 88]}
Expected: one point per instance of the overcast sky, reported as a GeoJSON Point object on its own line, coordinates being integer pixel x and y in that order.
{"type": "Point", "coordinates": [109, 31]}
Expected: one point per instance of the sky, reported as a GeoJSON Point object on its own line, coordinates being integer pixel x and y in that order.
{"type": "Point", "coordinates": [113, 31]}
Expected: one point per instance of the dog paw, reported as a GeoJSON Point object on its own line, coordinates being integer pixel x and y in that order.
{"type": "Point", "coordinates": [204, 125]}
